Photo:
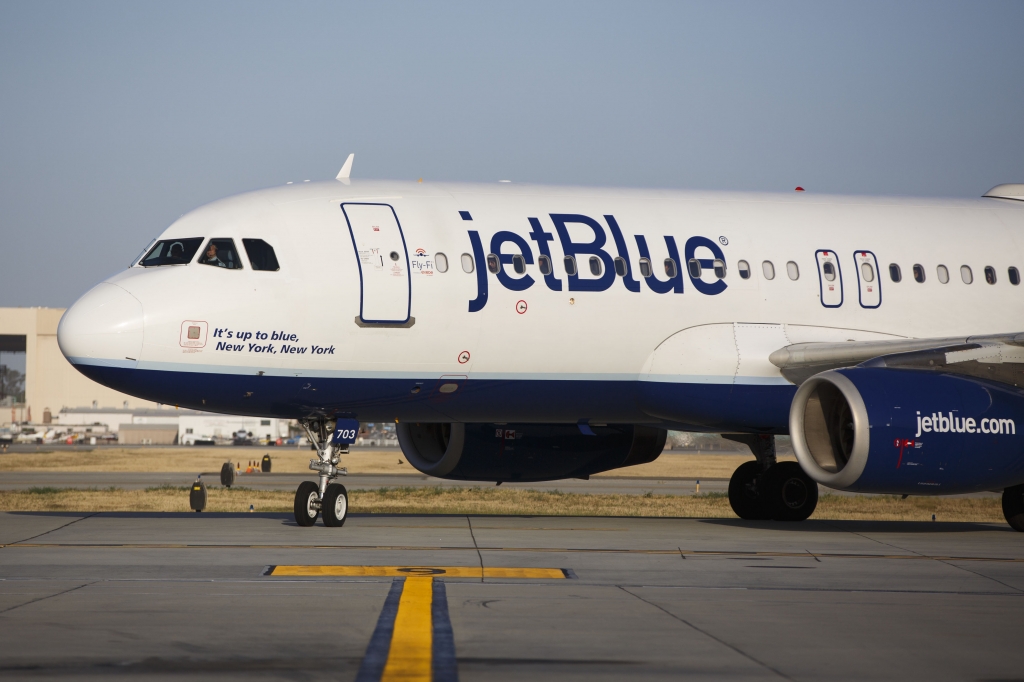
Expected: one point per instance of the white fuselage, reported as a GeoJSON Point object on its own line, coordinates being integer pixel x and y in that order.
{"type": "Point", "coordinates": [600, 347]}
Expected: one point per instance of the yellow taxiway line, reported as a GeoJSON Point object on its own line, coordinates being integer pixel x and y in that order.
{"type": "Point", "coordinates": [410, 654]}
{"type": "Point", "coordinates": [418, 571]}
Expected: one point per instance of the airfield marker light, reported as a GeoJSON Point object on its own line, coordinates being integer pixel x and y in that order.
{"type": "Point", "coordinates": [933, 517]}
{"type": "Point", "coordinates": [251, 509]}
{"type": "Point", "coordinates": [698, 486]}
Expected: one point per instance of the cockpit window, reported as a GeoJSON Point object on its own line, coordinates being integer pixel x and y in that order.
{"type": "Point", "coordinates": [172, 252]}
{"type": "Point", "coordinates": [221, 253]}
{"type": "Point", "coordinates": [262, 256]}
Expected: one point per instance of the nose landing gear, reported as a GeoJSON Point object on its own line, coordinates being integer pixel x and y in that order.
{"type": "Point", "coordinates": [327, 498]}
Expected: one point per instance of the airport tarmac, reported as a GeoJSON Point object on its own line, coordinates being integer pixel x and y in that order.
{"type": "Point", "coordinates": [242, 596]}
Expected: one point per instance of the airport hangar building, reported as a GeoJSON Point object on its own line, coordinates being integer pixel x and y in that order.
{"type": "Point", "coordinates": [58, 394]}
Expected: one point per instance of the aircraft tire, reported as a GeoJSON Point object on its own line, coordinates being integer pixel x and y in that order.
{"type": "Point", "coordinates": [746, 503]}
{"type": "Point", "coordinates": [335, 505]}
{"type": "Point", "coordinates": [792, 494]}
{"type": "Point", "coordinates": [305, 512]}
{"type": "Point", "coordinates": [1013, 507]}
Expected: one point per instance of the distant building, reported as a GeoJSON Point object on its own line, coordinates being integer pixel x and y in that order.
{"type": "Point", "coordinates": [168, 426]}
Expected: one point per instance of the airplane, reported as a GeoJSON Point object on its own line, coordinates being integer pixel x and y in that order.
{"type": "Point", "coordinates": [517, 332]}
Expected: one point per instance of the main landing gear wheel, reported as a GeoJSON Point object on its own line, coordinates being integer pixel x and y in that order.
{"type": "Point", "coordinates": [1013, 507]}
{"type": "Point", "coordinates": [335, 505]}
{"type": "Point", "coordinates": [307, 503]}
{"type": "Point", "coordinates": [745, 496]}
{"type": "Point", "coordinates": [792, 494]}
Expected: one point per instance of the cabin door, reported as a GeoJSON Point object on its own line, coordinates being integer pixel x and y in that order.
{"type": "Point", "coordinates": [869, 280]}
{"type": "Point", "coordinates": [385, 293]}
{"type": "Point", "coordinates": [830, 278]}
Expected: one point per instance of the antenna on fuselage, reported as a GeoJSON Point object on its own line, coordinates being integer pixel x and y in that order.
{"type": "Point", "coordinates": [346, 170]}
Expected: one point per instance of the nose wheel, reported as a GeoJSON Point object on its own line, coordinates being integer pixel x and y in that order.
{"type": "Point", "coordinates": [307, 503]}
{"type": "Point", "coordinates": [327, 498]}
{"type": "Point", "coordinates": [335, 505]}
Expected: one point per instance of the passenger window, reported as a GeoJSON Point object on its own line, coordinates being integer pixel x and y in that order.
{"type": "Point", "coordinates": [570, 265]}
{"type": "Point", "coordinates": [441, 262]}
{"type": "Point", "coordinates": [221, 253]}
{"type": "Point", "coordinates": [990, 274]}
{"type": "Point", "coordinates": [693, 265]}
{"type": "Point", "coordinates": [518, 264]}
{"type": "Point", "coordinates": [596, 267]}
{"type": "Point", "coordinates": [829, 270]}
{"type": "Point", "coordinates": [942, 273]}
{"type": "Point", "coordinates": [645, 267]}
{"type": "Point", "coordinates": [172, 252]}
{"type": "Point", "coordinates": [919, 273]}
{"type": "Point", "coordinates": [894, 272]}
{"type": "Point", "coordinates": [467, 263]}
{"type": "Point", "coordinates": [493, 263]}
{"type": "Point", "coordinates": [793, 271]}
{"type": "Point", "coordinates": [743, 267]}
{"type": "Point", "coordinates": [261, 255]}
{"type": "Point", "coordinates": [670, 268]}
{"type": "Point", "coordinates": [867, 272]}
{"type": "Point", "coordinates": [719, 266]}
{"type": "Point", "coordinates": [621, 267]}
{"type": "Point", "coordinates": [1014, 276]}
{"type": "Point", "coordinates": [544, 263]}
{"type": "Point", "coordinates": [965, 274]}
{"type": "Point", "coordinates": [768, 269]}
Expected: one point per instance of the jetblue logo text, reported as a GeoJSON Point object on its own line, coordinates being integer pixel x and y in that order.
{"type": "Point", "coordinates": [594, 256]}
{"type": "Point", "coordinates": [941, 423]}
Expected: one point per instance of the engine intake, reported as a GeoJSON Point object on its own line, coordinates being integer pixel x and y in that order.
{"type": "Point", "coordinates": [829, 426]}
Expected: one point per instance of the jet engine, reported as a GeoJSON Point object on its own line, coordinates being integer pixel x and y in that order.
{"type": "Point", "coordinates": [897, 431]}
{"type": "Point", "coordinates": [526, 452]}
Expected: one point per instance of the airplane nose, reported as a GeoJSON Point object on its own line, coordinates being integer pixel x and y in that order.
{"type": "Point", "coordinates": [102, 328]}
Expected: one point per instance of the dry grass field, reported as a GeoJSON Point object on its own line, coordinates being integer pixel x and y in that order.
{"type": "Point", "coordinates": [496, 501]}
{"type": "Point", "coordinates": [291, 460]}
{"type": "Point", "coordinates": [483, 500]}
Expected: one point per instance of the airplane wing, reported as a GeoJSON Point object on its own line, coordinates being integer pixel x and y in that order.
{"type": "Point", "coordinates": [997, 357]}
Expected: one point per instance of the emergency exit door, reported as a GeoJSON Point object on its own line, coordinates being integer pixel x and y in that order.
{"type": "Point", "coordinates": [385, 293]}
{"type": "Point", "coordinates": [869, 280]}
{"type": "Point", "coordinates": [830, 278]}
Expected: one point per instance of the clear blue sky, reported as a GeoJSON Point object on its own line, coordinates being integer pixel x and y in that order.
{"type": "Point", "coordinates": [117, 117]}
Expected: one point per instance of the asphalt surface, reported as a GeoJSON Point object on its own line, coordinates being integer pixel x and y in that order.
{"type": "Point", "coordinates": [133, 595]}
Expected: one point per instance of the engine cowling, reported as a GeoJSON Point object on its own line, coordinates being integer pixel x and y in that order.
{"type": "Point", "coordinates": [525, 452]}
{"type": "Point", "coordinates": [908, 432]}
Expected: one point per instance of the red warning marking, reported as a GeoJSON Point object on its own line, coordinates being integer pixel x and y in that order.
{"type": "Point", "coordinates": [903, 444]}
{"type": "Point", "coordinates": [463, 357]}
{"type": "Point", "coordinates": [521, 307]}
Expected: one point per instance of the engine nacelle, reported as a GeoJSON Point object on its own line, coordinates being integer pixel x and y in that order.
{"type": "Point", "coordinates": [908, 432]}
{"type": "Point", "coordinates": [525, 452]}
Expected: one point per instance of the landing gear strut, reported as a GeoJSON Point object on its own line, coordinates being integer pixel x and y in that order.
{"type": "Point", "coordinates": [327, 498]}
{"type": "Point", "coordinates": [767, 489]}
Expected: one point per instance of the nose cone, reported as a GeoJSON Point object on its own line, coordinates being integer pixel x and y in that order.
{"type": "Point", "coordinates": [103, 328]}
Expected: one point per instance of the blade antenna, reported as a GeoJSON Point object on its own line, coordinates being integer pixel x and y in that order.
{"type": "Point", "coordinates": [346, 170]}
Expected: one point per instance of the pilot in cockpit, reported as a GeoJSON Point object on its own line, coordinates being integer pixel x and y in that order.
{"type": "Point", "coordinates": [177, 251]}
{"type": "Point", "coordinates": [211, 257]}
